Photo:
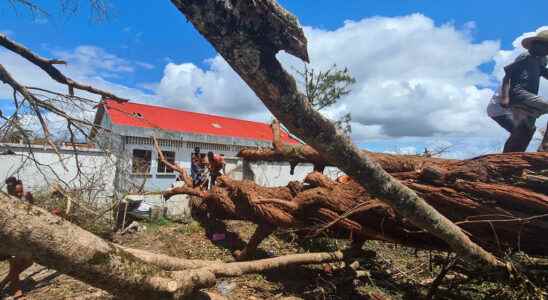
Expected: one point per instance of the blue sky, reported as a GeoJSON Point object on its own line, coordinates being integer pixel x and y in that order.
{"type": "Point", "coordinates": [146, 42]}
{"type": "Point", "coordinates": [152, 31]}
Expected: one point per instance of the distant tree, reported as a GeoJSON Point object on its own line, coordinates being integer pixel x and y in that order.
{"type": "Point", "coordinates": [324, 88]}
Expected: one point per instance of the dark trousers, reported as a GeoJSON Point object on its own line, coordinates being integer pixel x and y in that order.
{"type": "Point", "coordinates": [527, 107]}
{"type": "Point", "coordinates": [505, 121]}
{"type": "Point", "coordinates": [544, 144]}
{"type": "Point", "coordinates": [520, 137]}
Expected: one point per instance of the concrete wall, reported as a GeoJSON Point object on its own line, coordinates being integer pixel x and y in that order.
{"type": "Point", "coordinates": [41, 167]}
{"type": "Point", "coordinates": [99, 168]}
{"type": "Point", "coordinates": [278, 174]}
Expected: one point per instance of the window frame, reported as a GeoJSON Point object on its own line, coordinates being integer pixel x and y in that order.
{"type": "Point", "coordinates": [146, 158]}
{"type": "Point", "coordinates": [166, 170]}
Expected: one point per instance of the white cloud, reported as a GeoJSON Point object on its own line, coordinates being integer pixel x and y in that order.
{"type": "Point", "coordinates": [91, 60]}
{"type": "Point", "coordinates": [87, 64]}
{"type": "Point", "coordinates": [217, 90]}
{"type": "Point", "coordinates": [413, 79]}
{"type": "Point", "coordinates": [145, 65]}
{"type": "Point", "coordinates": [7, 32]}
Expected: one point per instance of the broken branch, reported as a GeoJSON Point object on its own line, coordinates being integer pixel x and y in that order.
{"type": "Point", "coordinates": [47, 65]}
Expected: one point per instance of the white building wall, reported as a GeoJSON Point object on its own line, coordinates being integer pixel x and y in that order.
{"type": "Point", "coordinates": [155, 181]}
{"type": "Point", "coordinates": [273, 174]}
{"type": "Point", "coordinates": [98, 170]}
{"type": "Point", "coordinates": [42, 167]}
{"type": "Point", "coordinates": [267, 174]}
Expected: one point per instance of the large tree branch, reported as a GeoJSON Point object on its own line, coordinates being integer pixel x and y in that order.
{"type": "Point", "coordinates": [221, 269]}
{"type": "Point", "coordinates": [57, 244]}
{"type": "Point", "coordinates": [48, 65]}
{"type": "Point", "coordinates": [248, 35]}
{"type": "Point", "coordinates": [173, 166]}
{"type": "Point", "coordinates": [296, 154]}
{"type": "Point", "coordinates": [29, 231]}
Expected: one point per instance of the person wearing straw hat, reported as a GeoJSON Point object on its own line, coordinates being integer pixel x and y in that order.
{"type": "Point", "coordinates": [521, 86]}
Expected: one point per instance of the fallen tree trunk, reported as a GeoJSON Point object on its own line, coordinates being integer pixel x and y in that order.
{"type": "Point", "coordinates": [492, 198]}
{"type": "Point", "coordinates": [27, 230]}
{"type": "Point", "coordinates": [484, 168]}
{"type": "Point", "coordinates": [249, 35]}
{"type": "Point", "coordinates": [58, 244]}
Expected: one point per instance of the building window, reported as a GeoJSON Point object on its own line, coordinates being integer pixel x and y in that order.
{"type": "Point", "coordinates": [141, 161]}
{"type": "Point", "coordinates": [170, 157]}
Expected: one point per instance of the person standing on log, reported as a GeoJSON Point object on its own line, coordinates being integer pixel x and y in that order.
{"type": "Point", "coordinates": [200, 178]}
{"type": "Point", "coordinates": [18, 264]}
{"type": "Point", "coordinates": [522, 82]}
{"type": "Point", "coordinates": [216, 164]}
{"type": "Point", "coordinates": [194, 163]}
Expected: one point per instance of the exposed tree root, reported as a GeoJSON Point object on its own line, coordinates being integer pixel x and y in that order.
{"type": "Point", "coordinates": [501, 212]}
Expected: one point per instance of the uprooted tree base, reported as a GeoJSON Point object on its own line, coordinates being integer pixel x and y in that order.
{"type": "Point", "coordinates": [499, 200]}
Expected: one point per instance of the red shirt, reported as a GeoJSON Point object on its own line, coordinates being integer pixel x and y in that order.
{"type": "Point", "coordinates": [217, 163]}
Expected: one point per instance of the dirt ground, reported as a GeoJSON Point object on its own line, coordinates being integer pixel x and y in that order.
{"type": "Point", "coordinates": [395, 272]}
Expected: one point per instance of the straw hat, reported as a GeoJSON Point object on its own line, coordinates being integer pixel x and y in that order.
{"type": "Point", "coordinates": [540, 37]}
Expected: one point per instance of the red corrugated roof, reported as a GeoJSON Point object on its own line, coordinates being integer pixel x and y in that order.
{"type": "Point", "coordinates": [150, 116]}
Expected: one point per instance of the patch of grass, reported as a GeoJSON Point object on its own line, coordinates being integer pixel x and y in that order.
{"type": "Point", "coordinates": [160, 222]}
{"type": "Point", "coordinates": [319, 244]}
{"type": "Point", "coordinates": [190, 228]}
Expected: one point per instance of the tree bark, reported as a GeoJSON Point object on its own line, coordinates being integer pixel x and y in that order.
{"type": "Point", "coordinates": [496, 199]}
{"type": "Point", "coordinates": [57, 244]}
{"type": "Point", "coordinates": [51, 241]}
{"type": "Point", "coordinates": [248, 35]}
{"type": "Point", "coordinates": [298, 154]}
